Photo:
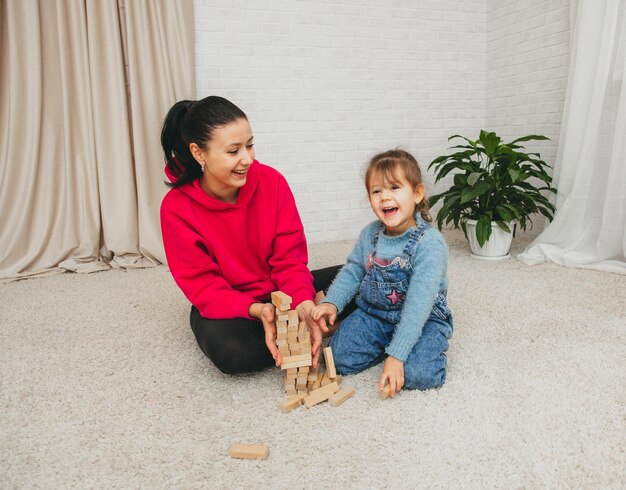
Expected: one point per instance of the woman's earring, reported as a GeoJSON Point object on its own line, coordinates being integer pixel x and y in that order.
{"type": "Point", "coordinates": [202, 167]}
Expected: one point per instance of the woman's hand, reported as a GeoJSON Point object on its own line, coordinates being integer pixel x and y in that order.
{"type": "Point", "coordinates": [265, 313]}
{"type": "Point", "coordinates": [393, 373]}
{"type": "Point", "coordinates": [304, 314]}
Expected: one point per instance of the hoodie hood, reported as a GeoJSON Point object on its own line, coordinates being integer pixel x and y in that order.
{"type": "Point", "coordinates": [195, 192]}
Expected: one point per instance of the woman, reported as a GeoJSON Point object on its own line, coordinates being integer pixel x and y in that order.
{"type": "Point", "coordinates": [232, 235]}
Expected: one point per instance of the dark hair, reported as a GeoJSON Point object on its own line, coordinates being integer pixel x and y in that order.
{"type": "Point", "coordinates": [389, 164]}
{"type": "Point", "coordinates": [193, 122]}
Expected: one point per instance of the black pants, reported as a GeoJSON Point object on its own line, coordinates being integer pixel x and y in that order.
{"type": "Point", "coordinates": [238, 345]}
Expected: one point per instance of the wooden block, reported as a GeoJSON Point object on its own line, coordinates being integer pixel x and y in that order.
{"type": "Point", "coordinates": [296, 361]}
{"type": "Point", "coordinates": [318, 381]}
{"type": "Point", "coordinates": [313, 374]}
{"type": "Point", "coordinates": [330, 363]}
{"type": "Point", "coordinates": [249, 451]}
{"type": "Point", "coordinates": [280, 299]}
{"type": "Point", "coordinates": [304, 362]}
{"type": "Point", "coordinates": [303, 370]}
{"type": "Point", "coordinates": [341, 396]}
{"type": "Point", "coordinates": [293, 317]}
{"type": "Point", "coordinates": [384, 393]}
{"type": "Point", "coordinates": [291, 391]}
{"type": "Point", "coordinates": [281, 336]}
{"type": "Point", "coordinates": [325, 379]}
{"type": "Point", "coordinates": [321, 394]}
{"type": "Point", "coordinates": [302, 330]}
{"type": "Point", "coordinates": [296, 358]}
{"type": "Point", "coordinates": [338, 379]}
{"type": "Point", "coordinates": [292, 402]}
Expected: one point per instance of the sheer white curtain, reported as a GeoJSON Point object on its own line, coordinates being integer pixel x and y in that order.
{"type": "Point", "coordinates": [589, 228]}
{"type": "Point", "coordinates": [84, 87]}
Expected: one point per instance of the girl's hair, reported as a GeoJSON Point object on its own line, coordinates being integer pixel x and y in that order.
{"type": "Point", "coordinates": [193, 122]}
{"type": "Point", "coordinates": [394, 163]}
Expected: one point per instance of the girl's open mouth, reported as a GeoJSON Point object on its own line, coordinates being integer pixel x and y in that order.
{"type": "Point", "coordinates": [389, 211]}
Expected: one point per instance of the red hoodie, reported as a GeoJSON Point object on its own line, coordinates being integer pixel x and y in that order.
{"type": "Point", "coordinates": [224, 257]}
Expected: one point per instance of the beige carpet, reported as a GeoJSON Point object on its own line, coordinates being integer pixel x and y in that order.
{"type": "Point", "coordinates": [102, 386]}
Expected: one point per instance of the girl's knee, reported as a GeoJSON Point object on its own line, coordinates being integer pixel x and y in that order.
{"type": "Point", "coordinates": [424, 377]}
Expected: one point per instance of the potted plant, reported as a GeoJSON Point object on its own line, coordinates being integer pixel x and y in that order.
{"type": "Point", "coordinates": [496, 186]}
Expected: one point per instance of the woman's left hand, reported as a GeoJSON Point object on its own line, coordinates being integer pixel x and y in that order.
{"type": "Point", "coordinates": [304, 314]}
{"type": "Point", "coordinates": [393, 373]}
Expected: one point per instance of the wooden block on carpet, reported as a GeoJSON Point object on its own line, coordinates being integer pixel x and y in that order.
{"type": "Point", "coordinates": [292, 402]}
{"type": "Point", "coordinates": [341, 396]}
{"type": "Point", "coordinates": [321, 394]}
{"type": "Point", "coordinates": [249, 451]}
{"type": "Point", "coordinates": [384, 393]}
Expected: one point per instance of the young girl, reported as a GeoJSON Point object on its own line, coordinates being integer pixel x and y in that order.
{"type": "Point", "coordinates": [398, 273]}
{"type": "Point", "coordinates": [232, 235]}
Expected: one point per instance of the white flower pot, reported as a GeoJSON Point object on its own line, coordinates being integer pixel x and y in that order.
{"type": "Point", "coordinates": [498, 245]}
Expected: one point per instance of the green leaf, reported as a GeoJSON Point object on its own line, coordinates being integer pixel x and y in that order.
{"type": "Point", "coordinates": [528, 138]}
{"type": "Point", "coordinates": [473, 178]}
{"type": "Point", "coordinates": [505, 213]}
{"type": "Point", "coordinates": [514, 174]}
{"type": "Point", "coordinates": [503, 226]}
{"type": "Point", "coordinates": [470, 193]}
{"type": "Point", "coordinates": [483, 230]}
{"type": "Point", "coordinates": [490, 141]}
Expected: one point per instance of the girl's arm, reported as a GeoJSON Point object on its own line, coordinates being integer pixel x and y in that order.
{"type": "Point", "coordinates": [346, 285]}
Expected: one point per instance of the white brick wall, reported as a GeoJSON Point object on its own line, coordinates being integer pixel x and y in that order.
{"type": "Point", "coordinates": [327, 84]}
{"type": "Point", "coordinates": [527, 67]}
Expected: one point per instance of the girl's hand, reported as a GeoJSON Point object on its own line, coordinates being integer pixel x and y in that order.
{"type": "Point", "coordinates": [265, 313]}
{"type": "Point", "coordinates": [393, 373]}
{"type": "Point", "coordinates": [304, 315]}
{"type": "Point", "coordinates": [323, 315]}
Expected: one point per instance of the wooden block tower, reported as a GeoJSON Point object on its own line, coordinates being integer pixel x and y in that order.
{"type": "Point", "coordinates": [303, 384]}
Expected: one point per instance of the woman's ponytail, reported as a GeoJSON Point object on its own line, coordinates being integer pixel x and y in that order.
{"type": "Point", "coordinates": [178, 157]}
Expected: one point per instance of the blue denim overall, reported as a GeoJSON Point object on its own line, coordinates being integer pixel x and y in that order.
{"type": "Point", "coordinates": [362, 337]}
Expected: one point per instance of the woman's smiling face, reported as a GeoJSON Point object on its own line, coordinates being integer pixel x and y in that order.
{"type": "Point", "coordinates": [226, 160]}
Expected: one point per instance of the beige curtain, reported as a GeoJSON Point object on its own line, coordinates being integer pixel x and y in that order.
{"type": "Point", "coordinates": [85, 85]}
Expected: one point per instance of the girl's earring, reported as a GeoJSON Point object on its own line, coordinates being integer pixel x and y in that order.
{"type": "Point", "coordinates": [202, 167]}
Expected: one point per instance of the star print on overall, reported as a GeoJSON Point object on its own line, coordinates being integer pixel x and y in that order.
{"type": "Point", "coordinates": [395, 297]}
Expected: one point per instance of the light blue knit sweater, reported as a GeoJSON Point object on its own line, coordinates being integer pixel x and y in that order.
{"type": "Point", "coordinates": [430, 264]}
